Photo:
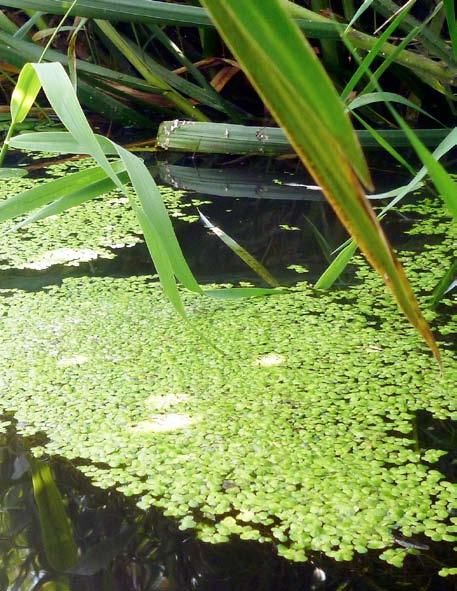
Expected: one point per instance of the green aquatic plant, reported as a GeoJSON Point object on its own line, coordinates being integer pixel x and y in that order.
{"type": "Point", "coordinates": [96, 229]}
{"type": "Point", "coordinates": [325, 125]}
{"type": "Point", "coordinates": [323, 138]}
{"type": "Point", "coordinates": [302, 438]}
{"type": "Point", "coordinates": [62, 194]}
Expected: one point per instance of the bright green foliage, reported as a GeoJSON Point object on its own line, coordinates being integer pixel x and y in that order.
{"type": "Point", "coordinates": [300, 434]}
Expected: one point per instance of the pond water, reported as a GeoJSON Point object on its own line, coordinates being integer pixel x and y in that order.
{"type": "Point", "coordinates": [324, 430]}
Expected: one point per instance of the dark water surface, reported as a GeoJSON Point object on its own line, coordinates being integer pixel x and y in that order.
{"type": "Point", "coordinates": [285, 225]}
{"type": "Point", "coordinates": [124, 549]}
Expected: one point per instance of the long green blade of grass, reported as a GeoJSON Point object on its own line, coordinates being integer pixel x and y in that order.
{"type": "Point", "coordinates": [362, 8]}
{"type": "Point", "coordinates": [152, 12]}
{"type": "Point", "coordinates": [374, 52]}
{"type": "Point", "coordinates": [151, 212]}
{"type": "Point", "coordinates": [72, 199]}
{"type": "Point", "coordinates": [385, 145]}
{"type": "Point", "coordinates": [45, 193]}
{"type": "Point", "coordinates": [449, 7]}
{"type": "Point", "coordinates": [446, 284]}
{"type": "Point", "coordinates": [6, 24]}
{"type": "Point", "coordinates": [442, 180]}
{"type": "Point", "coordinates": [311, 114]}
{"type": "Point", "coordinates": [338, 265]}
{"type": "Point", "coordinates": [381, 97]}
{"type": "Point", "coordinates": [161, 261]}
{"type": "Point", "coordinates": [62, 142]}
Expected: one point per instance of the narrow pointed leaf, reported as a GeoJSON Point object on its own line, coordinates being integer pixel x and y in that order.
{"type": "Point", "coordinates": [161, 261]}
{"type": "Point", "coordinates": [24, 94]}
{"type": "Point", "coordinates": [73, 199]}
{"type": "Point", "coordinates": [380, 97]}
{"type": "Point", "coordinates": [299, 94]}
{"type": "Point", "coordinates": [45, 193]}
{"type": "Point", "coordinates": [61, 142]}
{"type": "Point", "coordinates": [336, 267]}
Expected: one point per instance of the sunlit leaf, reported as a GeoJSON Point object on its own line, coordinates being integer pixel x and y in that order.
{"type": "Point", "coordinates": [294, 86]}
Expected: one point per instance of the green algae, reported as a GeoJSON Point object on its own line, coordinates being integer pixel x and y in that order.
{"type": "Point", "coordinates": [301, 434]}
{"type": "Point", "coordinates": [91, 231]}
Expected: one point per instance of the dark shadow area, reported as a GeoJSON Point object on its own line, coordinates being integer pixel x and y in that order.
{"type": "Point", "coordinates": [124, 549]}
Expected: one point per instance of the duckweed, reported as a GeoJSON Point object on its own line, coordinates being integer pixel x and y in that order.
{"type": "Point", "coordinates": [313, 451]}
{"type": "Point", "coordinates": [91, 231]}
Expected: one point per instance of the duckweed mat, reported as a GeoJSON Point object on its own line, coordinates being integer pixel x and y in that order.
{"type": "Point", "coordinates": [303, 433]}
{"type": "Point", "coordinates": [91, 231]}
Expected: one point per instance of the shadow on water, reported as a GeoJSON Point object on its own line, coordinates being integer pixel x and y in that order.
{"type": "Point", "coordinates": [123, 549]}
{"type": "Point", "coordinates": [278, 216]}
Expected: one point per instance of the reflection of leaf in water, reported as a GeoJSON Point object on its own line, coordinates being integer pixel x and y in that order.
{"type": "Point", "coordinates": [244, 255]}
{"type": "Point", "coordinates": [61, 584]}
{"type": "Point", "coordinates": [56, 530]}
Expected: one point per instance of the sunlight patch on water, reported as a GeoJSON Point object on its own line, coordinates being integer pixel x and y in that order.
{"type": "Point", "coordinates": [161, 423]}
{"type": "Point", "coordinates": [270, 360]}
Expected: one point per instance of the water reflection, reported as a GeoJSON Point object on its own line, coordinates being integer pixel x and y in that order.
{"type": "Point", "coordinates": [123, 549]}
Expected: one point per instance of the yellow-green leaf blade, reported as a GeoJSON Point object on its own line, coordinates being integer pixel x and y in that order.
{"type": "Point", "coordinates": [276, 58]}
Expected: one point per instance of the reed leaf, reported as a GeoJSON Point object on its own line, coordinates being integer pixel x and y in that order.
{"type": "Point", "coordinates": [449, 7]}
{"type": "Point", "coordinates": [57, 189]}
{"type": "Point", "coordinates": [153, 12]}
{"type": "Point", "coordinates": [221, 138]}
{"type": "Point", "coordinates": [311, 114]}
{"type": "Point", "coordinates": [442, 180]}
{"type": "Point", "coordinates": [375, 51]}
{"type": "Point", "coordinates": [337, 266]}
{"type": "Point", "coordinates": [151, 212]}
{"type": "Point", "coordinates": [6, 24]}
{"type": "Point", "coordinates": [445, 285]}
{"type": "Point", "coordinates": [381, 97]}
{"type": "Point", "coordinates": [241, 252]}
{"type": "Point", "coordinates": [448, 144]}
{"type": "Point", "coordinates": [61, 142]}
{"type": "Point", "coordinates": [362, 8]}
